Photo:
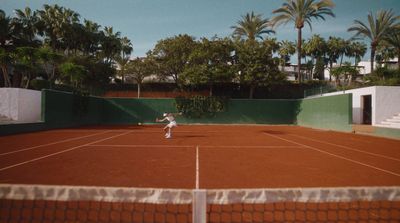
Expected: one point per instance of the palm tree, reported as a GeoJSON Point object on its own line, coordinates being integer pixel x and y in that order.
{"type": "Point", "coordinates": [286, 49]}
{"type": "Point", "coordinates": [6, 30]}
{"type": "Point", "coordinates": [49, 24]}
{"type": "Point", "coordinates": [27, 20]}
{"type": "Point", "coordinates": [377, 29]}
{"type": "Point", "coordinates": [126, 46]}
{"type": "Point", "coordinates": [358, 50]}
{"type": "Point", "coordinates": [110, 44]}
{"type": "Point", "coordinates": [316, 48]}
{"type": "Point", "coordinates": [252, 26]}
{"type": "Point", "coordinates": [6, 40]}
{"type": "Point", "coordinates": [91, 39]}
{"type": "Point", "coordinates": [334, 50]}
{"type": "Point", "coordinates": [394, 41]}
{"type": "Point", "coordinates": [5, 60]}
{"type": "Point", "coordinates": [300, 12]}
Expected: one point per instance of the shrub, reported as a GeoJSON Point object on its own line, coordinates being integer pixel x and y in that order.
{"type": "Point", "coordinates": [200, 106]}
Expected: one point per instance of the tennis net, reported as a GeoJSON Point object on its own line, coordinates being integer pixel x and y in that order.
{"type": "Point", "coordinates": [45, 203]}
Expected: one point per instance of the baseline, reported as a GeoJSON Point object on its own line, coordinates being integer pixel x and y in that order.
{"type": "Point", "coordinates": [191, 146]}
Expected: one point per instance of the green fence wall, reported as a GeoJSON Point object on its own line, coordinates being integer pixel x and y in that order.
{"type": "Point", "coordinates": [59, 110]}
{"type": "Point", "coordinates": [332, 112]}
{"type": "Point", "coordinates": [63, 109]}
{"type": "Point", "coordinates": [122, 110]}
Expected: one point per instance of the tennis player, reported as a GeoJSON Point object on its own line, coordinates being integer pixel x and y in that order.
{"type": "Point", "coordinates": [170, 117]}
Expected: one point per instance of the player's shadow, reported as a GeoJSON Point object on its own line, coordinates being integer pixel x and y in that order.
{"type": "Point", "coordinates": [275, 132]}
{"type": "Point", "coordinates": [192, 136]}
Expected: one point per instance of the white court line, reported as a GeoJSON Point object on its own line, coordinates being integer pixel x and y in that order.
{"type": "Point", "coordinates": [252, 147]}
{"type": "Point", "coordinates": [186, 146]}
{"type": "Point", "coordinates": [63, 151]}
{"type": "Point", "coordinates": [52, 143]}
{"type": "Point", "coordinates": [337, 156]}
{"type": "Point", "coordinates": [348, 148]}
{"type": "Point", "coordinates": [135, 146]}
{"type": "Point", "coordinates": [197, 168]}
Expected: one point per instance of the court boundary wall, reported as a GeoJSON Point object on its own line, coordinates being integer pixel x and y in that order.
{"type": "Point", "coordinates": [329, 113]}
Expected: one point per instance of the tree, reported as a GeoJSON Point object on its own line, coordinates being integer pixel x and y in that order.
{"type": "Point", "coordinates": [210, 62]}
{"type": "Point", "coordinates": [50, 61]}
{"type": "Point", "coordinates": [255, 64]}
{"type": "Point", "coordinates": [300, 12]}
{"type": "Point", "coordinates": [347, 72]}
{"type": "Point", "coordinates": [316, 48]}
{"type": "Point", "coordinates": [26, 22]}
{"type": "Point", "coordinates": [110, 44]}
{"type": "Point", "coordinates": [73, 73]}
{"type": "Point", "coordinates": [56, 24]}
{"type": "Point", "coordinates": [91, 38]}
{"type": "Point", "coordinates": [123, 58]}
{"type": "Point", "coordinates": [286, 49]}
{"type": "Point", "coordinates": [140, 68]}
{"type": "Point", "coordinates": [6, 31]}
{"type": "Point", "coordinates": [357, 50]}
{"type": "Point", "coordinates": [172, 55]}
{"type": "Point", "coordinates": [5, 60]}
{"type": "Point", "coordinates": [393, 40]}
{"type": "Point", "coordinates": [252, 26]}
{"type": "Point", "coordinates": [6, 41]}
{"type": "Point", "coordinates": [25, 66]}
{"type": "Point", "coordinates": [334, 50]}
{"type": "Point", "coordinates": [376, 30]}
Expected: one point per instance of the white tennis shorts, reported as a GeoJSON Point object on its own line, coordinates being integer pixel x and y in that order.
{"type": "Point", "coordinates": [172, 124]}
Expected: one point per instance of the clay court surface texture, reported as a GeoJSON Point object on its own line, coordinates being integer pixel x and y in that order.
{"type": "Point", "coordinates": [210, 156]}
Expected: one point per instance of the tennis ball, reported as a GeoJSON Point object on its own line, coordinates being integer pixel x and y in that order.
{"type": "Point", "coordinates": [139, 123]}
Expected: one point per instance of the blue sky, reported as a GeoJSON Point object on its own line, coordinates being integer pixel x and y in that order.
{"type": "Point", "coordinates": [145, 22]}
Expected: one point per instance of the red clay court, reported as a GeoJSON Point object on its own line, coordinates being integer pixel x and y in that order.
{"type": "Point", "coordinates": [210, 157]}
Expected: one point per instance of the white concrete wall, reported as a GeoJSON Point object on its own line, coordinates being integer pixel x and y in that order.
{"type": "Point", "coordinates": [8, 106]}
{"type": "Point", "coordinates": [21, 105]}
{"type": "Point", "coordinates": [388, 99]}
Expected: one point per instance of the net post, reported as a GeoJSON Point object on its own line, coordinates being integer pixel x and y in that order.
{"type": "Point", "coordinates": [199, 207]}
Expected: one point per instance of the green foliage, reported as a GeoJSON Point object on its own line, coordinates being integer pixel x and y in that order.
{"type": "Point", "coordinates": [252, 26]}
{"type": "Point", "coordinates": [346, 72]}
{"type": "Point", "coordinates": [210, 63]}
{"type": "Point", "coordinates": [172, 55]}
{"type": "Point", "coordinates": [73, 73]}
{"type": "Point", "coordinates": [200, 106]}
{"type": "Point", "coordinates": [255, 64]}
{"type": "Point", "coordinates": [38, 84]}
{"type": "Point", "coordinates": [383, 76]}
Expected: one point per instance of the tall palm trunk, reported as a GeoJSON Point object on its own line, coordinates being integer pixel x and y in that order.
{"type": "Point", "coordinates": [138, 89]}
{"type": "Point", "coordinates": [398, 58]}
{"type": "Point", "coordinates": [299, 76]}
{"type": "Point", "coordinates": [373, 49]}
{"type": "Point", "coordinates": [6, 77]}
